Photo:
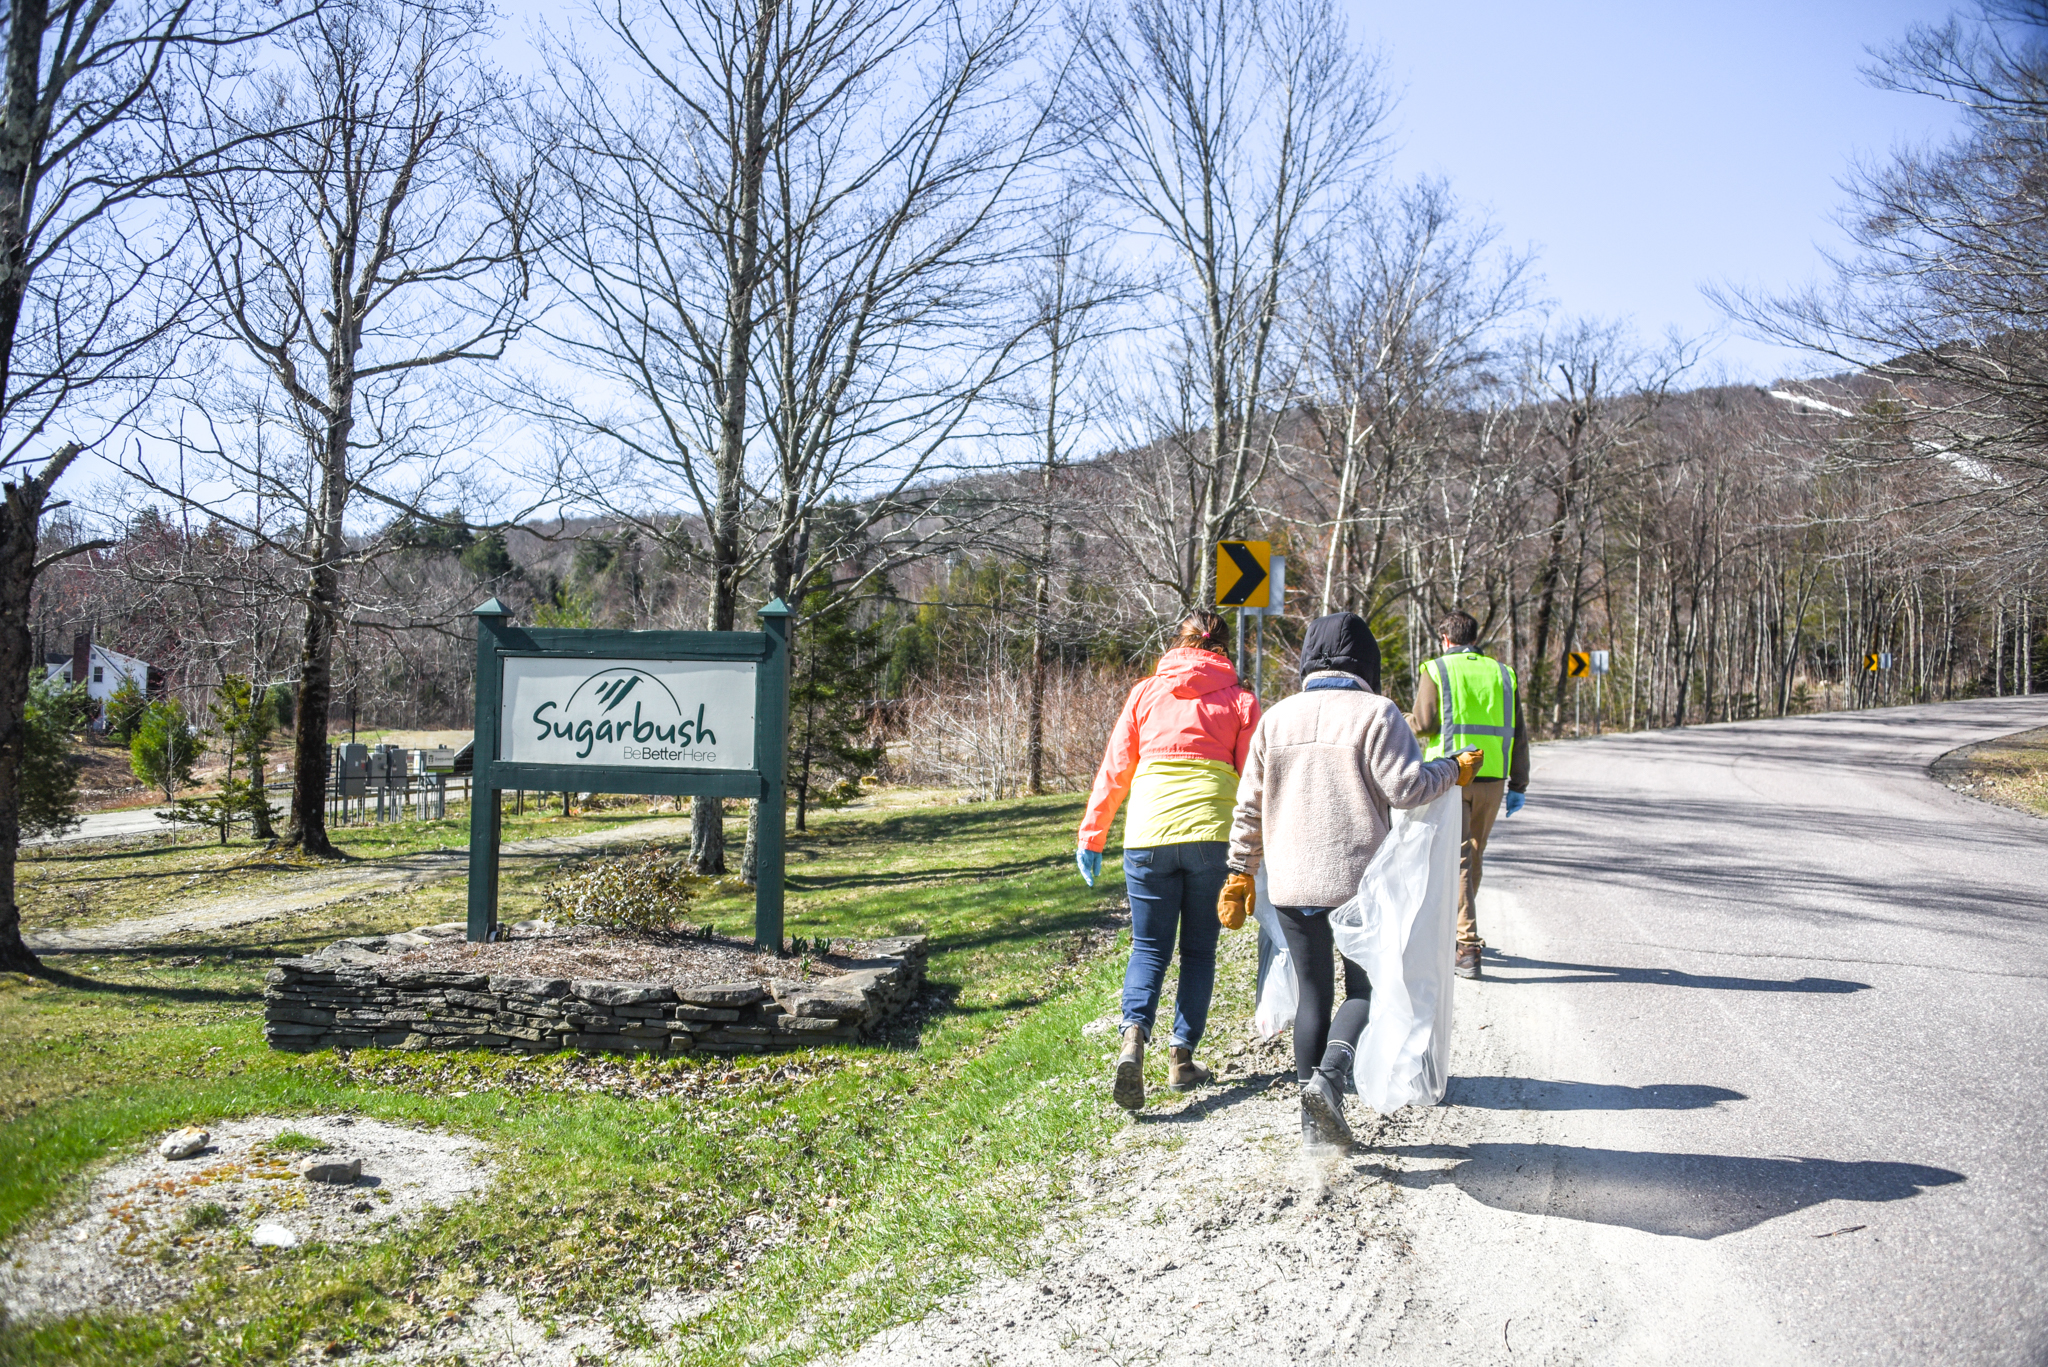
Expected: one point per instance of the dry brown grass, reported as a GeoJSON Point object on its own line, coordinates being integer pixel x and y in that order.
{"type": "Point", "coordinates": [2011, 771]}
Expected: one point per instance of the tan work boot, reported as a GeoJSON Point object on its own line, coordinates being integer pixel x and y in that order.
{"type": "Point", "coordinates": [1183, 1074]}
{"type": "Point", "coordinates": [1129, 1090]}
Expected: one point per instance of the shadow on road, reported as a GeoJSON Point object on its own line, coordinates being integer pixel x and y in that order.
{"type": "Point", "coordinates": [1692, 1195]}
{"type": "Point", "coordinates": [1541, 1094]}
{"type": "Point", "coordinates": [1708, 844]}
{"type": "Point", "coordinates": [1555, 972]}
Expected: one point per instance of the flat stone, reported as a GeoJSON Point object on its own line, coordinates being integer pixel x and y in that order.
{"type": "Point", "coordinates": [334, 1171]}
{"type": "Point", "coordinates": [622, 994]}
{"type": "Point", "coordinates": [183, 1143]}
{"type": "Point", "coordinates": [443, 930]}
{"type": "Point", "coordinates": [532, 987]}
{"type": "Point", "coordinates": [723, 994]}
{"type": "Point", "coordinates": [828, 1001]}
{"type": "Point", "coordinates": [902, 947]}
{"type": "Point", "coordinates": [432, 978]}
{"type": "Point", "coordinates": [342, 952]}
{"type": "Point", "coordinates": [704, 1013]}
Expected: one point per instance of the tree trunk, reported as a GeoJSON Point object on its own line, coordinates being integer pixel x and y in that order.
{"type": "Point", "coordinates": [308, 829]}
{"type": "Point", "coordinates": [707, 814]}
{"type": "Point", "coordinates": [21, 511]}
{"type": "Point", "coordinates": [1034, 743]}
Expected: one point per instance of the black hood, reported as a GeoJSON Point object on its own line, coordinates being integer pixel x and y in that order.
{"type": "Point", "coordinates": [1342, 641]}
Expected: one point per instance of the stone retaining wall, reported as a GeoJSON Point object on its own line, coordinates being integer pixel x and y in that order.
{"type": "Point", "coordinates": [343, 998]}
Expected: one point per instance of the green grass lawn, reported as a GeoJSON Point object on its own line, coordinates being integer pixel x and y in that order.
{"type": "Point", "coordinates": [91, 882]}
{"type": "Point", "coordinates": [906, 1165]}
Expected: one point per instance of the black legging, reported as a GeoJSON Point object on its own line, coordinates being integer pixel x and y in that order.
{"type": "Point", "coordinates": [1313, 948]}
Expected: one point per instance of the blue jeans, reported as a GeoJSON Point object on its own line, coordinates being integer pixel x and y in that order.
{"type": "Point", "coordinates": [1173, 891]}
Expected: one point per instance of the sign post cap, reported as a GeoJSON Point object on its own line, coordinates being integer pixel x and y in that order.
{"type": "Point", "coordinates": [490, 607]}
{"type": "Point", "coordinates": [775, 607]}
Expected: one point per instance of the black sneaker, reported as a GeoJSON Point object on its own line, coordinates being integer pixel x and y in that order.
{"type": "Point", "coordinates": [1468, 961]}
{"type": "Point", "coordinates": [1322, 1115]}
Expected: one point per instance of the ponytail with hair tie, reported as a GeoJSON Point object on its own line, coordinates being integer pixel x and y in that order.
{"type": "Point", "coordinates": [1202, 631]}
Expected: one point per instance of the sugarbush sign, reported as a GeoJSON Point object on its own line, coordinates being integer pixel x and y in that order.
{"type": "Point", "coordinates": [681, 713]}
{"type": "Point", "coordinates": [659, 715]}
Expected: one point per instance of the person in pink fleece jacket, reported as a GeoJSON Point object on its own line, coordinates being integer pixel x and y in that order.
{"type": "Point", "coordinates": [1176, 752]}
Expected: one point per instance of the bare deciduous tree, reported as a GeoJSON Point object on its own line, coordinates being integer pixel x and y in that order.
{"type": "Point", "coordinates": [656, 151]}
{"type": "Point", "coordinates": [348, 263]}
{"type": "Point", "coordinates": [1233, 133]}
{"type": "Point", "coordinates": [80, 252]}
{"type": "Point", "coordinates": [1944, 296]}
{"type": "Point", "coordinates": [1401, 328]}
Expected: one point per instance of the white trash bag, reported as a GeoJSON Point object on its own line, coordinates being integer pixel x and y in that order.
{"type": "Point", "coordinates": [1279, 996]}
{"type": "Point", "coordinates": [1402, 928]}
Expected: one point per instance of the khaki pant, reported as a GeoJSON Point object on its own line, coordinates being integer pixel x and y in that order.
{"type": "Point", "coordinates": [1481, 808]}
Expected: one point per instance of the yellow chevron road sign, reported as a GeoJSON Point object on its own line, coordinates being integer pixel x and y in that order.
{"type": "Point", "coordinates": [1243, 573]}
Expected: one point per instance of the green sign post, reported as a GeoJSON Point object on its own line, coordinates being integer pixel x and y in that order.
{"type": "Point", "coordinates": [678, 713]}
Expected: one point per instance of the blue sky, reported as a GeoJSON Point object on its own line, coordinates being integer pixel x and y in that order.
{"type": "Point", "coordinates": [1645, 149]}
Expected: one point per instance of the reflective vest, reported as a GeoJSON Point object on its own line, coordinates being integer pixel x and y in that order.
{"type": "Point", "coordinates": [1476, 705]}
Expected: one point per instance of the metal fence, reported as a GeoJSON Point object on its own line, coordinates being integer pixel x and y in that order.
{"type": "Point", "coordinates": [370, 785]}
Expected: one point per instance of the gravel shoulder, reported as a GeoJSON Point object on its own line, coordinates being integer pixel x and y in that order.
{"type": "Point", "coordinates": [146, 1227]}
{"type": "Point", "coordinates": [1208, 1235]}
{"type": "Point", "coordinates": [296, 894]}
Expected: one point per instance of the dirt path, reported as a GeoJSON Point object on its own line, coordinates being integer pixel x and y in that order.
{"type": "Point", "coordinates": [299, 893]}
{"type": "Point", "coordinates": [1210, 1236]}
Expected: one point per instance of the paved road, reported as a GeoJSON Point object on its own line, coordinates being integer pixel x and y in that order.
{"type": "Point", "coordinates": [128, 821]}
{"type": "Point", "coordinates": [1779, 993]}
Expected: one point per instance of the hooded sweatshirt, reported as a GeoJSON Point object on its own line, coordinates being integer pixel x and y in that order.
{"type": "Point", "coordinates": [1176, 752]}
{"type": "Point", "coordinates": [1325, 771]}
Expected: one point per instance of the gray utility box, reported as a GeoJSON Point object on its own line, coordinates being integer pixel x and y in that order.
{"type": "Point", "coordinates": [351, 769]}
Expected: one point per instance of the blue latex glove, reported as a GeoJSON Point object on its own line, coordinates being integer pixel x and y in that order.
{"type": "Point", "coordinates": [1090, 863]}
{"type": "Point", "coordinates": [1512, 803]}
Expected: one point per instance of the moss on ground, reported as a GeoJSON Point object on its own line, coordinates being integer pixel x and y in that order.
{"type": "Point", "coordinates": [903, 1165]}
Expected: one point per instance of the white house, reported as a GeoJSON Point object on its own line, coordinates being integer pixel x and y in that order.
{"type": "Point", "coordinates": [103, 669]}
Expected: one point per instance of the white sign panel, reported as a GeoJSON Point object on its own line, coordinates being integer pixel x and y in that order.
{"type": "Point", "coordinates": [640, 714]}
{"type": "Point", "coordinates": [1276, 591]}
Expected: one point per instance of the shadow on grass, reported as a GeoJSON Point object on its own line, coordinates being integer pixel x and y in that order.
{"type": "Point", "coordinates": [1081, 921]}
{"type": "Point", "coordinates": [57, 977]}
{"type": "Point", "coordinates": [965, 874]}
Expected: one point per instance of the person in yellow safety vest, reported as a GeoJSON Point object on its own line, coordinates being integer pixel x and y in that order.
{"type": "Point", "coordinates": [1465, 699]}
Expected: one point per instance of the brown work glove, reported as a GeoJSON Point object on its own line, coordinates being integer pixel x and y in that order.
{"type": "Point", "coordinates": [1234, 903]}
{"type": "Point", "coordinates": [1468, 765]}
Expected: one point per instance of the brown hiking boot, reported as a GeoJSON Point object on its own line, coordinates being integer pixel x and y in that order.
{"type": "Point", "coordinates": [1129, 1089]}
{"type": "Point", "coordinates": [1183, 1074]}
{"type": "Point", "coordinates": [1468, 961]}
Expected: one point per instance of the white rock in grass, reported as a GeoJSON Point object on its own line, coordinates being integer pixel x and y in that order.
{"type": "Point", "coordinates": [273, 1236]}
{"type": "Point", "coordinates": [183, 1143]}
